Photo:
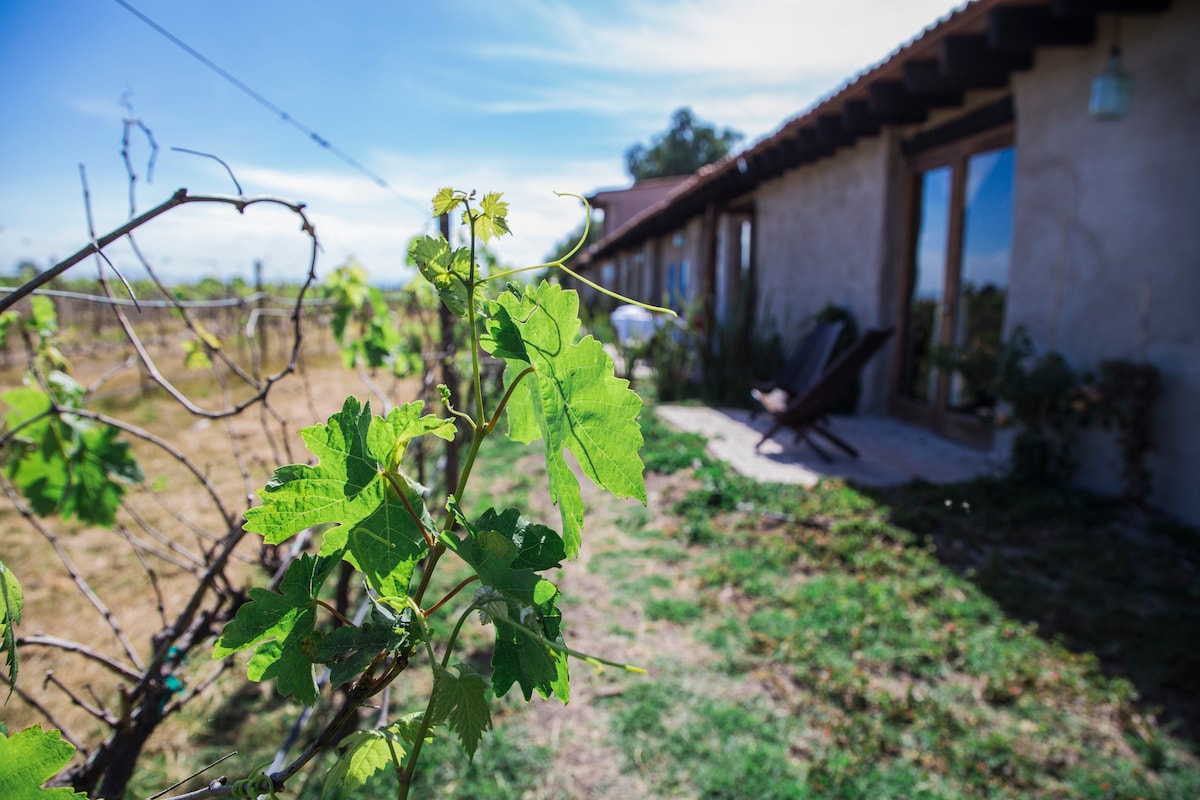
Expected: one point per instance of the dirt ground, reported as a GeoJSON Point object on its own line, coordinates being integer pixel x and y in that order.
{"type": "Point", "coordinates": [89, 585]}
{"type": "Point", "coordinates": [175, 515]}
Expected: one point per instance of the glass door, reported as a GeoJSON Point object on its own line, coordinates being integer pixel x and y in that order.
{"type": "Point", "coordinates": [957, 285]}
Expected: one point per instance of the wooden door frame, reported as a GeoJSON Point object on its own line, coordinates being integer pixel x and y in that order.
{"type": "Point", "coordinates": [955, 155]}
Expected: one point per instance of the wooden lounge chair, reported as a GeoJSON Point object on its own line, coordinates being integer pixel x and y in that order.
{"type": "Point", "coordinates": [807, 412]}
{"type": "Point", "coordinates": [800, 371]}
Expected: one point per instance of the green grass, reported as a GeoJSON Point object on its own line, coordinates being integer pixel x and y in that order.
{"type": "Point", "coordinates": [979, 640]}
{"type": "Point", "coordinates": [668, 451]}
{"type": "Point", "coordinates": [673, 609]}
{"type": "Point", "coordinates": [970, 641]}
{"type": "Point", "coordinates": [505, 474]}
{"type": "Point", "coordinates": [507, 767]}
{"type": "Point", "coordinates": [689, 745]}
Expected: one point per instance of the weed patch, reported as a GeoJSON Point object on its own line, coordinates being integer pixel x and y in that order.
{"type": "Point", "coordinates": [685, 744]}
{"type": "Point", "coordinates": [913, 675]}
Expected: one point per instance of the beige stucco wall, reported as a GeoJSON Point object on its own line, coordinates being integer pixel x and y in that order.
{"type": "Point", "coordinates": [1106, 235]}
{"type": "Point", "coordinates": [1106, 250]}
{"type": "Point", "coordinates": [821, 237]}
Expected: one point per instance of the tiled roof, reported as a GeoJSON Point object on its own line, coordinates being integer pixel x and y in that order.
{"type": "Point", "coordinates": [976, 46]}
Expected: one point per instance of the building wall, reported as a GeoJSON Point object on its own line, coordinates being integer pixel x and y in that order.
{"type": "Point", "coordinates": [622, 205]}
{"type": "Point", "coordinates": [821, 236]}
{"type": "Point", "coordinates": [1106, 251]}
{"type": "Point", "coordinates": [1106, 235]}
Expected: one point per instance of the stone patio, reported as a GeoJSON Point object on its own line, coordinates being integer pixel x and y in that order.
{"type": "Point", "coordinates": [891, 452]}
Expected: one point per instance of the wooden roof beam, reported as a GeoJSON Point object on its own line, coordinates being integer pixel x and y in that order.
{"type": "Point", "coordinates": [767, 161]}
{"type": "Point", "coordinates": [831, 132]}
{"type": "Point", "coordinates": [931, 86]}
{"type": "Point", "coordinates": [790, 153]}
{"type": "Point", "coordinates": [971, 60]}
{"type": "Point", "coordinates": [1025, 27]}
{"type": "Point", "coordinates": [1093, 7]}
{"type": "Point", "coordinates": [891, 102]}
{"type": "Point", "coordinates": [859, 120]}
{"type": "Point", "coordinates": [812, 145]}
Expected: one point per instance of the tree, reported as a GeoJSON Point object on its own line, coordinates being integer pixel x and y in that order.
{"type": "Point", "coordinates": [685, 148]}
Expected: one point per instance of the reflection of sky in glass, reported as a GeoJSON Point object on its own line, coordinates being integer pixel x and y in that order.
{"type": "Point", "coordinates": [987, 233]}
{"type": "Point", "coordinates": [931, 240]}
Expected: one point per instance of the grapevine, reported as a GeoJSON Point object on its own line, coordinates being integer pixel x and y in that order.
{"type": "Point", "coordinates": [559, 388]}
{"type": "Point", "coordinates": [362, 504]}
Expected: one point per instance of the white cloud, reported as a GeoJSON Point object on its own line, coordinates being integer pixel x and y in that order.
{"type": "Point", "coordinates": [353, 219]}
{"type": "Point", "coordinates": [750, 65]}
{"type": "Point", "coordinates": [758, 40]}
{"type": "Point", "coordinates": [538, 217]}
{"type": "Point", "coordinates": [105, 109]}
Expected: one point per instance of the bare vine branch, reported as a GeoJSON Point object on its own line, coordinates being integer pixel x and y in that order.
{"type": "Point", "coordinates": [220, 161]}
{"type": "Point", "coordinates": [179, 198]}
{"type": "Point", "coordinates": [80, 582]}
{"type": "Point", "coordinates": [111, 664]}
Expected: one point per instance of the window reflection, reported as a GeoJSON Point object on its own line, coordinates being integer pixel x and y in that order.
{"type": "Point", "coordinates": [929, 283]}
{"type": "Point", "coordinates": [958, 298]}
{"type": "Point", "coordinates": [983, 277]}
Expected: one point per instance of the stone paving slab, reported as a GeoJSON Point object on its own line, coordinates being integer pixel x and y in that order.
{"type": "Point", "coordinates": [891, 452]}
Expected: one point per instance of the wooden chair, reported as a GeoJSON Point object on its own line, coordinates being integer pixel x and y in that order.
{"type": "Point", "coordinates": [800, 371]}
{"type": "Point", "coordinates": [807, 412]}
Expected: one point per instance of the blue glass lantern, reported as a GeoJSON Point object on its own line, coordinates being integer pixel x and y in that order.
{"type": "Point", "coordinates": [1112, 89]}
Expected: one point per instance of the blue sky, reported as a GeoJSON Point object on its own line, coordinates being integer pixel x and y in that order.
{"type": "Point", "coordinates": [525, 97]}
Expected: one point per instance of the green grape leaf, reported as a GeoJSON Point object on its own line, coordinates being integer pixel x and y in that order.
{"type": "Point", "coordinates": [460, 699]}
{"type": "Point", "coordinates": [35, 462]}
{"type": "Point", "coordinates": [349, 290]}
{"type": "Point", "coordinates": [378, 341]}
{"type": "Point", "coordinates": [376, 530]}
{"type": "Point", "coordinates": [446, 200]}
{"type": "Point", "coordinates": [194, 354]}
{"type": "Point", "coordinates": [68, 392]}
{"type": "Point", "coordinates": [403, 424]}
{"type": "Point", "coordinates": [491, 220]}
{"type": "Point", "coordinates": [362, 754]}
{"type": "Point", "coordinates": [7, 320]}
{"type": "Point", "coordinates": [12, 600]}
{"type": "Point", "coordinates": [502, 562]}
{"type": "Point", "coordinates": [538, 547]}
{"type": "Point", "coordinates": [448, 270]}
{"type": "Point", "coordinates": [573, 399]}
{"type": "Point", "coordinates": [346, 651]}
{"type": "Point", "coordinates": [349, 649]}
{"type": "Point", "coordinates": [525, 660]}
{"type": "Point", "coordinates": [195, 351]}
{"type": "Point", "coordinates": [65, 464]}
{"type": "Point", "coordinates": [348, 287]}
{"type": "Point", "coordinates": [28, 759]}
{"type": "Point", "coordinates": [43, 316]}
{"type": "Point", "coordinates": [409, 726]}
{"type": "Point", "coordinates": [101, 469]}
{"type": "Point", "coordinates": [278, 626]}
{"type": "Point", "coordinates": [385, 546]}
{"type": "Point", "coordinates": [43, 320]}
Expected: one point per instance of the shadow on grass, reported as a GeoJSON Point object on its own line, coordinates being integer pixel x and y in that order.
{"type": "Point", "coordinates": [1103, 578]}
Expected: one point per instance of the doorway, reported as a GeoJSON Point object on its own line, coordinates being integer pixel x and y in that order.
{"type": "Point", "coordinates": [956, 286]}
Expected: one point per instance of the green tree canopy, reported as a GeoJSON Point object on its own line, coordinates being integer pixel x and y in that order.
{"type": "Point", "coordinates": [685, 148]}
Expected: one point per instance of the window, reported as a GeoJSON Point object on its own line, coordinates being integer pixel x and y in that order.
{"type": "Point", "coordinates": [957, 280]}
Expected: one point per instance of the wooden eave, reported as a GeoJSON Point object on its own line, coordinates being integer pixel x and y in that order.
{"type": "Point", "coordinates": [978, 46]}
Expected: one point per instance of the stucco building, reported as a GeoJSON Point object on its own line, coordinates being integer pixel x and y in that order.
{"type": "Point", "coordinates": [965, 186]}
